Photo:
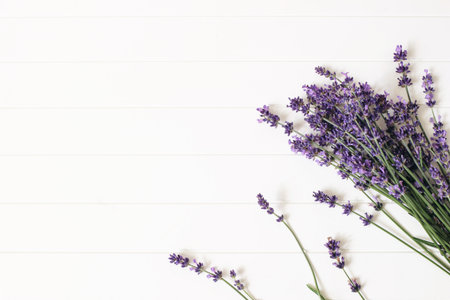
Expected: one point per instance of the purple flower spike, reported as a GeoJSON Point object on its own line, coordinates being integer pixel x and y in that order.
{"type": "Point", "coordinates": [366, 220]}
{"type": "Point", "coordinates": [178, 260]}
{"type": "Point", "coordinates": [295, 104]}
{"type": "Point", "coordinates": [237, 283]}
{"type": "Point", "coordinates": [397, 190]}
{"type": "Point", "coordinates": [267, 116]}
{"type": "Point", "coordinates": [332, 201]}
{"type": "Point", "coordinates": [340, 263]}
{"type": "Point", "coordinates": [428, 90]}
{"type": "Point", "coordinates": [264, 204]}
{"type": "Point", "coordinates": [321, 197]}
{"type": "Point", "coordinates": [216, 275]}
{"type": "Point", "coordinates": [288, 128]}
{"type": "Point", "coordinates": [404, 81]}
{"type": "Point", "coordinates": [347, 208]}
{"type": "Point", "coordinates": [354, 286]}
{"type": "Point", "coordinates": [334, 251]}
{"type": "Point", "coordinates": [326, 73]}
{"type": "Point", "coordinates": [400, 54]}
{"type": "Point", "coordinates": [198, 268]}
{"type": "Point", "coordinates": [377, 205]}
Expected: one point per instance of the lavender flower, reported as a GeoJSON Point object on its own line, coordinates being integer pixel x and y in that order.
{"type": "Point", "coordinates": [439, 141]}
{"type": "Point", "coordinates": [267, 116]}
{"type": "Point", "coordinates": [326, 73]}
{"type": "Point", "coordinates": [366, 220]}
{"type": "Point", "coordinates": [264, 204]}
{"type": "Point", "coordinates": [216, 274]}
{"type": "Point", "coordinates": [288, 128]}
{"type": "Point", "coordinates": [333, 247]}
{"type": "Point", "coordinates": [179, 260]}
{"type": "Point", "coordinates": [321, 197]}
{"type": "Point", "coordinates": [334, 252]}
{"type": "Point", "coordinates": [404, 81]}
{"type": "Point", "coordinates": [198, 268]}
{"type": "Point", "coordinates": [377, 205]}
{"type": "Point", "coordinates": [403, 69]}
{"type": "Point", "coordinates": [339, 263]}
{"type": "Point", "coordinates": [354, 286]}
{"type": "Point", "coordinates": [237, 283]}
{"type": "Point", "coordinates": [295, 104]}
{"type": "Point", "coordinates": [397, 190]}
{"type": "Point", "coordinates": [347, 208]}
{"type": "Point", "coordinates": [428, 90]}
{"type": "Point", "coordinates": [400, 54]}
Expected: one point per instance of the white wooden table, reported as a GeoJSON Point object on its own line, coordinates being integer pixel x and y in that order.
{"type": "Point", "coordinates": [128, 131]}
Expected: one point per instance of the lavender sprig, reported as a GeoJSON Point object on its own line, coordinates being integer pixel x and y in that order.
{"type": "Point", "coordinates": [214, 273]}
{"type": "Point", "coordinates": [366, 218]}
{"type": "Point", "coordinates": [264, 204]}
{"type": "Point", "coordinates": [333, 247]}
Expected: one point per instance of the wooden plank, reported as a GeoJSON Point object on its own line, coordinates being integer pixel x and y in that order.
{"type": "Point", "coordinates": [268, 276]}
{"type": "Point", "coordinates": [26, 8]}
{"type": "Point", "coordinates": [172, 84]}
{"type": "Point", "coordinates": [207, 228]}
{"type": "Point", "coordinates": [242, 39]}
{"type": "Point", "coordinates": [141, 132]}
{"type": "Point", "coordinates": [164, 179]}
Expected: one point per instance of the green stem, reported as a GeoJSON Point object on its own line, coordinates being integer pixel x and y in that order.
{"type": "Point", "coordinates": [416, 240]}
{"type": "Point", "coordinates": [400, 240]}
{"type": "Point", "coordinates": [250, 296]}
{"type": "Point", "coordinates": [304, 254]}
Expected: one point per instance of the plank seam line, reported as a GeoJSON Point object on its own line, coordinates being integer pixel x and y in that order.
{"type": "Point", "coordinates": [314, 60]}
{"type": "Point", "coordinates": [155, 107]}
{"type": "Point", "coordinates": [199, 252]}
{"type": "Point", "coordinates": [281, 203]}
{"type": "Point", "coordinates": [312, 16]}
{"type": "Point", "coordinates": [144, 155]}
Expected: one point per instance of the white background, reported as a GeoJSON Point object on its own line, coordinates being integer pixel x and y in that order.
{"type": "Point", "coordinates": [128, 131]}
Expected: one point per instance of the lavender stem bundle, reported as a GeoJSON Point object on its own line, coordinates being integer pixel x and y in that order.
{"type": "Point", "coordinates": [380, 145]}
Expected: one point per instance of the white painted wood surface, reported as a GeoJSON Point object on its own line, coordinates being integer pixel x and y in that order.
{"type": "Point", "coordinates": [128, 131]}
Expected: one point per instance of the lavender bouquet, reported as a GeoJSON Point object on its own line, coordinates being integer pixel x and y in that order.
{"type": "Point", "coordinates": [380, 145]}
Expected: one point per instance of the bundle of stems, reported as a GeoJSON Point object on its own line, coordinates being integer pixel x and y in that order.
{"type": "Point", "coordinates": [381, 146]}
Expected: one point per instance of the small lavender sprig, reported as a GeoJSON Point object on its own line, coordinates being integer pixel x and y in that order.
{"type": "Point", "coordinates": [367, 219]}
{"type": "Point", "coordinates": [214, 274]}
{"type": "Point", "coordinates": [264, 204]}
{"type": "Point", "coordinates": [333, 247]}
